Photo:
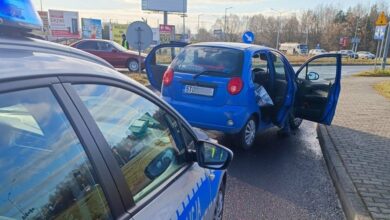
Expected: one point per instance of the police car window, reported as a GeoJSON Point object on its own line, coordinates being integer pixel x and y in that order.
{"type": "Point", "coordinates": [88, 45]}
{"type": "Point", "coordinates": [143, 138]}
{"type": "Point", "coordinates": [44, 170]}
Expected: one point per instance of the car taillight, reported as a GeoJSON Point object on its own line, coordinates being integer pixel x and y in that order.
{"type": "Point", "coordinates": [168, 77]}
{"type": "Point", "coordinates": [235, 85]}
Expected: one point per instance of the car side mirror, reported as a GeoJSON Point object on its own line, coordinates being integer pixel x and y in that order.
{"type": "Point", "coordinates": [213, 156]}
{"type": "Point", "coordinates": [114, 50]}
{"type": "Point", "coordinates": [313, 76]}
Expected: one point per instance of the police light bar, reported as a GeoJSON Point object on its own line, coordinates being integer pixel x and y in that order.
{"type": "Point", "coordinates": [19, 14]}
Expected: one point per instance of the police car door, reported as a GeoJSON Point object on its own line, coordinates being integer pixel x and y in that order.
{"type": "Point", "coordinates": [188, 197]}
{"type": "Point", "coordinates": [144, 147]}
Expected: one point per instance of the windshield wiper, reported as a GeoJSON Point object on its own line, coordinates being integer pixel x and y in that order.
{"type": "Point", "coordinates": [207, 71]}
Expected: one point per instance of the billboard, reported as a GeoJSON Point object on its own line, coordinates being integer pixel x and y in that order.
{"type": "Point", "coordinates": [91, 28]}
{"type": "Point", "coordinates": [64, 24]}
{"type": "Point", "coordinates": [165, 5]}
{"type": "Point", "coordinates": [167, 33]}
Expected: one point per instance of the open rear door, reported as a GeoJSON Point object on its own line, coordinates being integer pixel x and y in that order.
{"type": "Point", "coordinates": [318, 82]}
{"type": "Point", "coordinates": [158, 60]}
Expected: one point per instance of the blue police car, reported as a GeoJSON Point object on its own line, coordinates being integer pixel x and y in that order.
{"type": "Point", "coordinates": [242, 89]}
{"type": "Point", "coordinates": [82, 141]}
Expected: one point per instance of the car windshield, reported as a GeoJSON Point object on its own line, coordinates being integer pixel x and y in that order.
{"type": "Point", "coordinates": [205, 60]}
{"type": "Point", "coordinates": [303, 46]}
{"type": "Point", "coordinates": [118, 46]}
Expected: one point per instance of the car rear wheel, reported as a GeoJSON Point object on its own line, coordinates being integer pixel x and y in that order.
{"type": "Point", "coordinates": [218, 212]}
{"type": "Point", "coordinates": [133, 65]}
{"type": "Point", "coordinates": [247, 135]}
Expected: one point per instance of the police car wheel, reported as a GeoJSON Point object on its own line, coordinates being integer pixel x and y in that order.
{"type": "Point", "coordinates": [247, 135]}
{"type": "Point", "coordinates": [220, 200]}
{"type": "Point", "coordinates": [133, 66]}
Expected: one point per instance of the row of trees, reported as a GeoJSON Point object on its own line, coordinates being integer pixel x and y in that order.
{"type": "Point", "coordinates": [323, 25]}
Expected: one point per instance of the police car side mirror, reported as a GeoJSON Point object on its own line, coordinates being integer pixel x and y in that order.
{"type": "Point", "coordinates": [213, 156]}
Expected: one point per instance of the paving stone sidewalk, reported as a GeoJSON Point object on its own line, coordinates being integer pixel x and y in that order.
{"type": "Point", "coordinates": [360, 134]}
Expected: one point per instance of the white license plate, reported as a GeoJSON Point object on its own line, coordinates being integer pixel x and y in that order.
{"type": "Point", "coordinates": [199, 90]}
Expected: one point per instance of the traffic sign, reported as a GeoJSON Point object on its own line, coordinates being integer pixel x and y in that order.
{"type": "Point", "coordinates": [379, 32]}
{"type": "Point", "coordinates": [382, 20]}
{"type": "Point", "coordinates": [139, 35]}
{"type": "Point", "coordinates": [248, 37]}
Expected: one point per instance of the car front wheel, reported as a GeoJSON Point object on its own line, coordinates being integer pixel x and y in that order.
{"type": "Point", "coordinates": [133, 65]}
{"type": "Point", "coordinates": [218, 212]}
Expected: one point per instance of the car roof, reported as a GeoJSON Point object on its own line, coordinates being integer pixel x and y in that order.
{"type": "Point", "coordinates": [97, 40]}
{"type": "Point", "coordinates": [26, 57]}
{"type": "Point", "coordinates": [239, 46]}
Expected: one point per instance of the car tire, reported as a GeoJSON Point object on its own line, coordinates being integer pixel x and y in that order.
{"type": "Point", "coordinates": [247, 135]}
{"type": "Point", "coordinates": [220, 201]}
{"type": "Point", "coordinates": [133, 65]}
{"type": "Point", "coordinates": [295, 122]}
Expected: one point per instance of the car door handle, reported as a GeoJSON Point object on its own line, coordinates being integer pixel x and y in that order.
{"type": "Point", "coordinates": [212, 176]}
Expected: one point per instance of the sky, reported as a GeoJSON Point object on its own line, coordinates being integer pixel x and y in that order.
{"type": "Point", "coordinates": [126, 11]}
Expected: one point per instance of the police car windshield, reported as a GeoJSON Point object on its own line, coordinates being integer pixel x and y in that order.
{"type": "Point", "coordinates": [206, 60]}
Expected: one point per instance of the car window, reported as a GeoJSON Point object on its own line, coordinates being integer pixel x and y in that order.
{"type": "Point", "coordinates": [280, 68]}
{"type": "Point", "coordinates": [143, 138]}
{"type": "Point", "coordinates": [325, 67]}
{"type": "Point", "coordinates": [216, 61]}
{"type": "Point", "coordinates": [165, 56]}
{"type": "Point", "coordinates": [104, 46]}
{"type": "Point", "coordinates": [88, 45]}
{"type": "Point", "coordinates": [44, 170]}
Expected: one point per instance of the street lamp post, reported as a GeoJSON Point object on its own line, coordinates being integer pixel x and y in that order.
{"type": "Point", "coordinates": [225, 28]}
{"type": "Point", "coordinates": [355, 44]}
{"type": "Point", "coordinates": [198, 21]}
{"type": "Point", "coordinates": [279, 27]}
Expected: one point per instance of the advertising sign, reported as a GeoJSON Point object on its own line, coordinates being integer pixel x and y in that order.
{"type": "Point", "coordinates": [91, 28]}
{"type": "Point", "coordinates": [64, 24]}
{"type": "Point", "coordinates": [45, 19]}
{"type": "Point", "coordinates": [166, 5]}
{"type": "Point", "coordinates": [167, 33]}
{"type": "Point", "coordinates": [343, 41]}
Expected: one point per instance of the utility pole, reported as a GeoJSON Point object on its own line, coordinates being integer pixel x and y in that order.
{"type": "Point", "coordinates": [225, 28]}
{"type": "Point", "coordinates": [386, 47]}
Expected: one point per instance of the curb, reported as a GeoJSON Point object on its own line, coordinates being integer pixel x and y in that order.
{"type": "Point", "coordinates": [352, 204]}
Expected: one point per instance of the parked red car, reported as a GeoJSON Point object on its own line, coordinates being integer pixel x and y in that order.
{"type": "Point", "coordinates": [112, 52]}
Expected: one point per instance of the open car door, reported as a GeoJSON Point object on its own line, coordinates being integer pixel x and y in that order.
{"type": "Point", "coordinates": [318, 82]}
{"type": "Point", "coordinates": [158, 60]}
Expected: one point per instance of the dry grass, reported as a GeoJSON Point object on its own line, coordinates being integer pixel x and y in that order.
{"type": "Point", "coordinates": [383, 88]}
{"type": "Point", "coordinates": [375, 73]}
{"type": "Point", "coordinates": [139, 77]}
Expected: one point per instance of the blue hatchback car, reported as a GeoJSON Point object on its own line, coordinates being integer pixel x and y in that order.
{"type": "Point", "coordinates": [214, 86]}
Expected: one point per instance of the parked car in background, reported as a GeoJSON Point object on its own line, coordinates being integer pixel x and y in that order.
{"type": "Point", "coordinates": [317, 51]}
{"type": "Point", "coordinates": [294, 48]}
{"type": "Point", "coordinates": [216, 86]}
{"type": "Point", "coordinates": [348, 54]}
{"type": "Point", "coordinates": [365, 55]}
{"type": "Point", "coordinates": [112, 52]}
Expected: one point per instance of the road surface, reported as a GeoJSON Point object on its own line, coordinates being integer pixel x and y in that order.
{"type": "Point", "coordinates": [280, 178]}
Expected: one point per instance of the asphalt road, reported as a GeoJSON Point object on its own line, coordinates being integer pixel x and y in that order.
{"type": "Point", "coordinates": [280, 178]}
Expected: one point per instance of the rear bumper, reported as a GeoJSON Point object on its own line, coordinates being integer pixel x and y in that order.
{"type": "Point", "coordinates": [212, 117]}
